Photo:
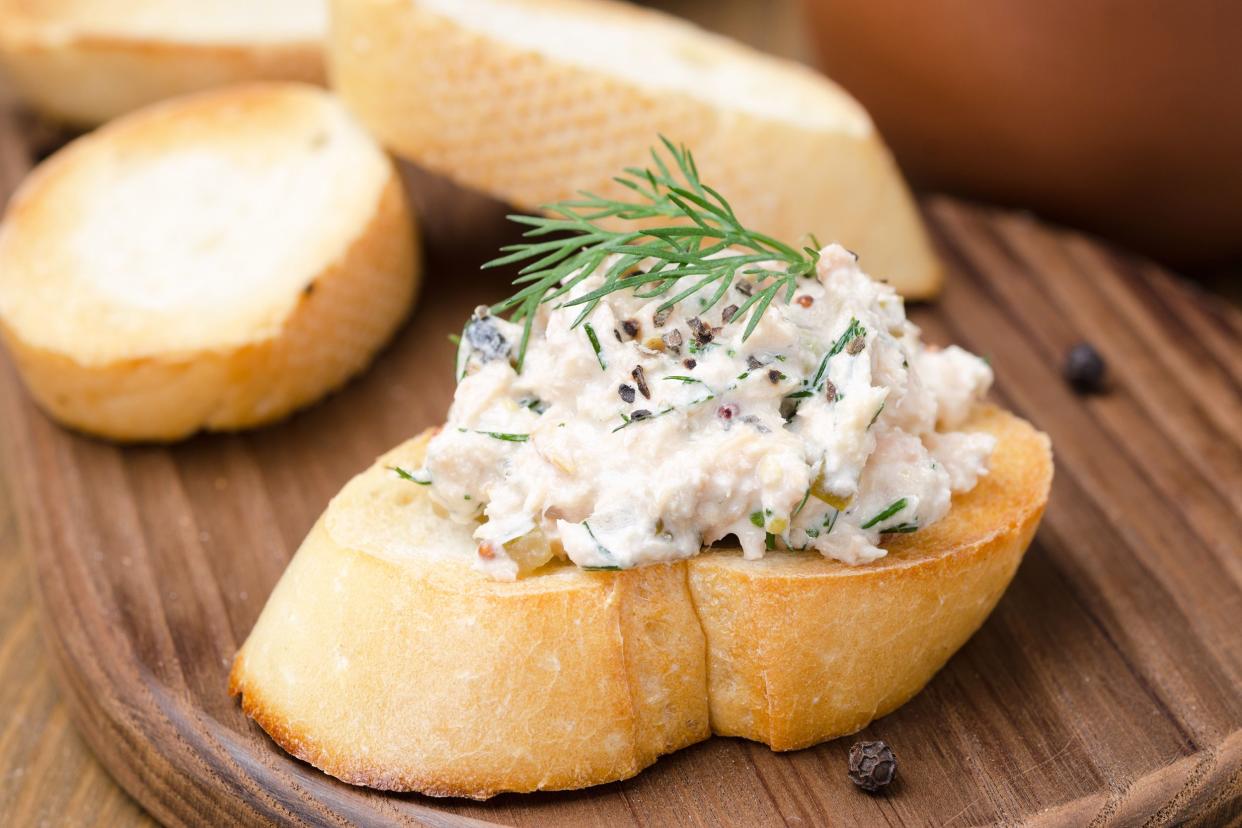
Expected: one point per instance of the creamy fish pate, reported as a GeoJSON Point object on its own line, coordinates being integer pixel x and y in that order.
{"type": "Point", "coordinates": [642, 435]}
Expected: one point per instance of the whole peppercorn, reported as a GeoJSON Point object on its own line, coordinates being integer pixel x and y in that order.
{"type": "Point", "coordinates": [872, 765]}
{"type": "Point", "coordinates": [1085, 369]}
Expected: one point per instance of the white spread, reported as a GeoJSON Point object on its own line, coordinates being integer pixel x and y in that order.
{"type": "Point", "coordinates": [632, 439]}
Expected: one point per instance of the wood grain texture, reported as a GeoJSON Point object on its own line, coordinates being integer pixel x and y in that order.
{"type": "Point", "coordinates": [47, 775]}
{"type": "Point", "coordinates": [1104, 690]}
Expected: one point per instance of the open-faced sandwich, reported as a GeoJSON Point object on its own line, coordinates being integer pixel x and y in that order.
{"type": "Point", "coordinates": [700, 481]}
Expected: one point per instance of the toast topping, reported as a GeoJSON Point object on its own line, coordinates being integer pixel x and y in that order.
{"type": "Point", "coordinates": [805, 416]}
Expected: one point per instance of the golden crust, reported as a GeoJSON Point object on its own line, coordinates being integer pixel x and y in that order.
{"type": "Point", "coordinates": [84, 77]}
{"type": "Point", "coordinates": [384, 660]}
{"type": "Point", "coordinates": [533, 127]}
{"type": "Point", "coordinates": [155, 382]}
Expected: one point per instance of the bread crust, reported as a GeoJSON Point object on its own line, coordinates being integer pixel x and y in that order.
{"type": "Point", "coordinates": [153, 386]}
{"type": "Point", "coordinates": [84, 78]}
{"type": "Point", "coordinates": [384, 660]}
{"type": "Point", "coordinates": [533, 128]}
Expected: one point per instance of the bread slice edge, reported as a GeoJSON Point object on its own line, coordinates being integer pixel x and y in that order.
{"type": "Point", "coordinates": [85, 78]}
{"type": "Point", "coordinates": [771, 650]}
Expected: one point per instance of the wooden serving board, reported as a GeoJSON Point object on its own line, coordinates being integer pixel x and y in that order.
{"type": "Point", "coordinates": [1106, 689]}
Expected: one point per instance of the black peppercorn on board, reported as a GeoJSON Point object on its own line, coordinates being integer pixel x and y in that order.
{"type": "Point", "coordinates": [1103, 690]}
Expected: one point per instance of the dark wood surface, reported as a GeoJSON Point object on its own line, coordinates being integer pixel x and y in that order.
{"type": "Point", "coordinates": [1106, 689]}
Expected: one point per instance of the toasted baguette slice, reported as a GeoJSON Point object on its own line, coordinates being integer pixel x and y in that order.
{"type": "Point", "coordinates": [535, 100]}
{"type": "Point", "coordinates": [87, 61]}
{"type": "Point", "coordinates": [383, 659]}
{"type": "Point", "coordinates": [210, 262]}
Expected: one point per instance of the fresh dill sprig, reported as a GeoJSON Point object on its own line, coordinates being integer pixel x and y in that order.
{"type": "Point", "coordinates": [674, 219]}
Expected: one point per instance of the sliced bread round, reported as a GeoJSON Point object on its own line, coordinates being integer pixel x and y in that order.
{"type": "Point", "coordinates": [211, 262]}
{"type": "Point", "coordinates": [535, 100]}
{"type": "Point", "coordinates": [86, 61]}
{"type": "Point", "coordinates": [385, 660]}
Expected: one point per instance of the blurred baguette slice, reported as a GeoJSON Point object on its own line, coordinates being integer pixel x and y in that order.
{"type": "Point", "coordinates": [535, 100]}
{"type": "Point", "coordinates": [210, 262]}
{"type": "Point", "coordinates": [87, 61]}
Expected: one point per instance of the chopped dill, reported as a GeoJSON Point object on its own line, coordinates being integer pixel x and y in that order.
{"type": "Point", "coordinates": [599, 356]}
{"type": "Point", "coordinates": [878, 411]}
{"type": "Point", "coordinates": [604, 550]}
{"type": "Point", "coordinates": [500, 435]}
{"type": "Point", "coordinates": [534, 404]}
{"type": "Point", "coordinates": [410, 476]}
{"type": "Point", "coordinates": [853, 330]}
{"type": "Point", "coordinates": [888, 511]}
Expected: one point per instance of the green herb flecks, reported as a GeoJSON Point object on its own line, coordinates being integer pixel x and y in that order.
{"type": "Point", "coordinates": [801, 504]}
{"type": "Point", "coordinates": [826, 525]}
{"type": "Point", "coordinates": [413, 477]}
{"type": "Point", "coordinates": [878, 412]}
{"type": "Point", "coordinates": [853, 330]}
{"type": "Point", "coordinates": [889, 510]}
{"type": "Point", "coordinates": [900, 529]}
{"type": "Point", "coordinates": [534, 404]}
{"type": "Point", "coordinates": [642, 415]}
{"type": "Point", "coordinates": [599, 354]}
{"type": "Point", "coordinates": [816, 384]}
{"type": "Point", "coordinates": [829, 524]}
{"type": "Point", "coordinates": [672, 218]}
{"type": "Point", "coordinates": [501, 435]}
{"type": "Point", "coordinates": [635, 417]}
{"type": "Point", "coordinates": [604, 550]}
